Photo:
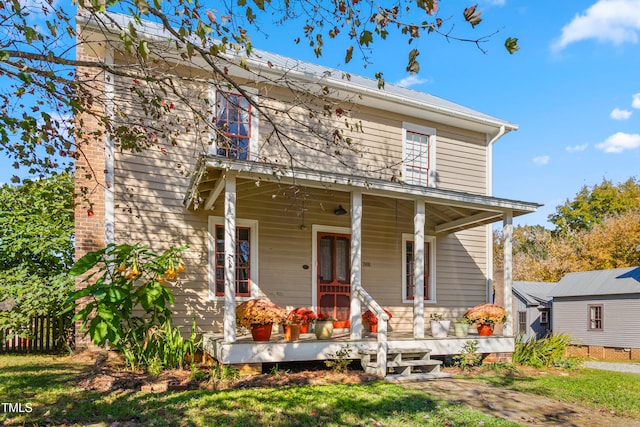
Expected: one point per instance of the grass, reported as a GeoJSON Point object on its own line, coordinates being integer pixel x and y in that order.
{"type": "Point", "coordinates": [596, 389]}
{"type": "Point", "coordinates": [48, 385]}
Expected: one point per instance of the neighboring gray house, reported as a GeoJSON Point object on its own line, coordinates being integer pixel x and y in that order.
{"type": "Point", "coordinates": [532, 309]}
{"type": "Point", "coordinates": [600, 309]}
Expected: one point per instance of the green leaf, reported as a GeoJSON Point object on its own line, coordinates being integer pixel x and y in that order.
{"type": "Point", "coordinates": [348, 55]}
{"type": "Point", "coordinates": [99, 332]}
{"type": "Point", "coordinates": [87, 262]}
{"type": "Point", "coordinates": [143, 49]}
{"type": "Point", "coordinates": [413, 66]}
{"type": "Point", "coordinates": [511, 44]}
{"type": "Point", "coordinates": [366, 37]}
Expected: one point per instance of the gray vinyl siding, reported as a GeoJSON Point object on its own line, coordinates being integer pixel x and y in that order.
{"type": "Point", "coordinates": [533, 329]}
{"type": "Point", "coordinates": [621, 327]}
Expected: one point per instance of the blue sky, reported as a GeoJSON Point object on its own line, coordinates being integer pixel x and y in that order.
{"type": "Point", "coordinates": [573, 88]}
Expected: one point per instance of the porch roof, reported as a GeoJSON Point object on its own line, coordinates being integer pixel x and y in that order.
{"type": "Point", "coordinates": [453, 210]}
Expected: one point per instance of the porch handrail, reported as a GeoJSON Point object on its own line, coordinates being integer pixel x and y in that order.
{"type": "Point", "coordinates": [383, 318]}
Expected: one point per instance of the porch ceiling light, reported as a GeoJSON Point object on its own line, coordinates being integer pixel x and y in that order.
{"type": "Point", "coordinates": [340, 211]}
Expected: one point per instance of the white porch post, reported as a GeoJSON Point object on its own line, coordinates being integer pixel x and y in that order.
{"type": "Point", "coordinates": [356, 263]}
{"type": "Point", "coordinates": [418, 269]}
{"type": "Point", "coordinates": [508, 272]}
{"type": "Point", "coordinates": [230, 259]}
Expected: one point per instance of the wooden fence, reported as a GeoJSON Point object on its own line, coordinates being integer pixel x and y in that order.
{"type": "Point", "coordinates": [44, 334]}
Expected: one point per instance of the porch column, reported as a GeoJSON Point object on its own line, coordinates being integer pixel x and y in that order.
{"type": "Point", "coordinates": [356, 263]}
{"type": "Point", "coordinates": [230, 258]}
{"type": "Point", "coordinates": [418, 269]}
{"type": "Point", "coordinates": [507, 230]}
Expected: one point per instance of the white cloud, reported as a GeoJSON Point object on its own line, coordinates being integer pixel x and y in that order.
{"type": "Point", "coordinates": [615, 21]}
{"type": "Point", "coordinates": [636, 100]}
{"type": "Point", "coordinates": [496, 2]}
{"type": "Point", "coordinates": [541, 160]}
{"type": "Point", "coordinates": [411, 81]}
{"type": "Point", "coordinates": [618, 114]}
{"type": "Point", "coordinates": [619, 142]}
{"type": "Point", "coordinates": [577, 148]}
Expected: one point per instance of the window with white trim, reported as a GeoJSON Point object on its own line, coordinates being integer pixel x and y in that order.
{"type": "Point", "coordinates": [544, 317]}
{"type": "Point", "coordinates": [418, 155]}
{"type": "Point", "coordinates": [246, 258]}
{"type": "Point", "coordinates": [236, 125]}
{"type": "Point", "coordinates": [408, 249]}
{"type": "Point", "coordinates": [522, 322]}
{"type": "Point", "coordinates": [595, 317]}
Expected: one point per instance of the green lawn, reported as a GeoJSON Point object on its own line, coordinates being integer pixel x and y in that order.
{"type": "Point", "coordinates": [591, 388]}
{"type": "Point", "coordinates": [48, 385]}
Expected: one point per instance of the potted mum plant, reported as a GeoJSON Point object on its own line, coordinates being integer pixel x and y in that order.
{"type": "Point", "coordinates": [372, 320]}
{"type": "Point", "coordinates": [439, 326]}
{"type": "Point", "coordinates": [485, 316]}
{"type": "Point", "coordinates": [259, 315]}
{"type": "Point", "coordinates": [324, 326]}
{"type": "Point", "coordinates": [304, 316]}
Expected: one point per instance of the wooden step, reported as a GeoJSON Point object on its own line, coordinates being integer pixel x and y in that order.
{"type": "Point", "coordinates": [395, 350]}
{"type": "Point", "coordinates": [430, 362]}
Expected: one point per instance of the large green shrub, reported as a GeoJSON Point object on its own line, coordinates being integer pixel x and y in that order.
{"type": "Point", "coordinates": [127, 304]}
{"type": "Point", "coordinates": [543, 352]}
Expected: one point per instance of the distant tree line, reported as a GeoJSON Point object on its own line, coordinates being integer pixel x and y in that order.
{"type": "Point", "coordinates": [598, 229]}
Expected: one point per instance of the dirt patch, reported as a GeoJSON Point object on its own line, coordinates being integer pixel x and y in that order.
{"type": "Point", "coordinates": [109, 373]}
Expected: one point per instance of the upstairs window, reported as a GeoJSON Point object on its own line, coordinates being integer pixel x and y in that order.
{"type": "Point", "coordinates": [595, 317]}
{"type": "Point", "coordinates": [418, 155]}
{"type": "Point", "coordinates": [233, 121]}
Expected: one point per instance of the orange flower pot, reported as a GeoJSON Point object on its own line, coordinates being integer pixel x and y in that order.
{"type": "Point", "coordinates": [485, 330]}
{"type": "Point", "coordinates": [261, 332]}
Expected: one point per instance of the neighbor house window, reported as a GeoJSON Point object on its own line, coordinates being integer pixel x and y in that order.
{"type": "Point", "coordinates": [408, 279]}
{"type": "Point", "coordinates": [544, 317]}
{"type": "Point", "coordinates": [246, 258]}
{"type": "Point", "coordinates": [522, 322]}
{"type": "Point", "coordinates": [595, 317]}
{"type": "Point", "coordinates": [418, 155]}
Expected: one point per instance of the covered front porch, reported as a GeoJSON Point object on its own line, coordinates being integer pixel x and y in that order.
{"type": "Point", "coordinates": [278, 350]}
{"type": "Point", "coordinates": [428, 213]}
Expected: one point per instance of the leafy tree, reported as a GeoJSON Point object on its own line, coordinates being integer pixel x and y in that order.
{"type": "Point", "coordinates": [36, 248]}
{"type": "Point", "coordinates": [592, 206]}
{"type": "Point", "coordinates": [49, 94]}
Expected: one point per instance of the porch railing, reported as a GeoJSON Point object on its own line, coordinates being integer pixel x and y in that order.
{"type": "Point", "coordinates": [383, 318]}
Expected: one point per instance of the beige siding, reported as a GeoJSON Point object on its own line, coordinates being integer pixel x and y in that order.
{"type": "Point", "coordinates": [150, 187]}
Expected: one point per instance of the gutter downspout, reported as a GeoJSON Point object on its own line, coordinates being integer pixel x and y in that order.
{"type": "Point", "coordinates": [489, 286]}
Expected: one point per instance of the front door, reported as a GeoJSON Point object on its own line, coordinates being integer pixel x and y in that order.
{"type": "Point", "coordinates": [334, 276]}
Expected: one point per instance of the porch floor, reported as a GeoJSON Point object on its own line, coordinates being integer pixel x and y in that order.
{"type": "Point", "coordinates": [308, 347]}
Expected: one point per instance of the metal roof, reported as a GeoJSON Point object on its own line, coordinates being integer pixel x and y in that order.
{"type": "Point", "coordinates": [600, 282]}
{"type": "Point", "coordinates": [534, 293]}
{"type": "Point", "coordinates": [404, 99]}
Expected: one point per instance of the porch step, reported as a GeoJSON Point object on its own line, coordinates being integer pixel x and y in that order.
{"type": "Point", "coordinates": [404, 364]}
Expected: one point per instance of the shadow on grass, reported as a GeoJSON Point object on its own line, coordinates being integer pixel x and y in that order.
{"type": "Point", "coordinates": [50, 386]}
{"type": "Point", "coordinates": [375, 403]}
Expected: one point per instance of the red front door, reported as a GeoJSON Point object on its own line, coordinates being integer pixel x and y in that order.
{"type": "Point", "coordinates": [334, 277]}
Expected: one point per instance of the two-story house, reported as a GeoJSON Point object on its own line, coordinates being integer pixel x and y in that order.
{"type": "Point", "coordinates": [380, 197]}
